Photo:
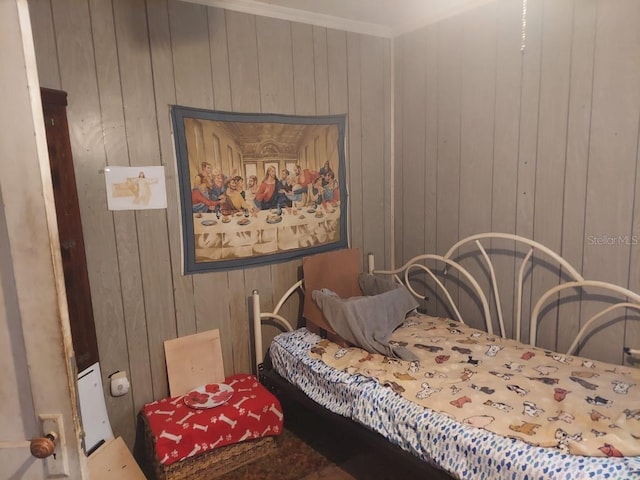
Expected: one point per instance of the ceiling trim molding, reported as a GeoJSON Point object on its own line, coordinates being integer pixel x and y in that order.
{"type": "Point", "coordinates": [295, 15]}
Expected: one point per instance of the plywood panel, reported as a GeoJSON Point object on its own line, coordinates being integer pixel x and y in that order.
{"type": "Point", "coordinates": [194, 360]}
{"type": "Point", "coordinates": [612, 156]}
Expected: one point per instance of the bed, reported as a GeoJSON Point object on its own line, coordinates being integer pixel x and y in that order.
{"type": "Point", "coordinates": [485, 390]}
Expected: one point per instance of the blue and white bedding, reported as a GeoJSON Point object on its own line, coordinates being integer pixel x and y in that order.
{"type": "Point", "coordinates": [465, 452]}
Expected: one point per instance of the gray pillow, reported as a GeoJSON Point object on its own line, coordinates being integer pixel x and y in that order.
{"type": "Point", "coordinates": [368, 321]}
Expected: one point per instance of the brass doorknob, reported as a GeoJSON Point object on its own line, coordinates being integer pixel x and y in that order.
{"type": "Point", "coordinates": [43, 447]}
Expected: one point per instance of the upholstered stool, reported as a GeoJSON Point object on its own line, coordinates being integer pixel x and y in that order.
{"type": "Point", "coordinates": [182, 442]}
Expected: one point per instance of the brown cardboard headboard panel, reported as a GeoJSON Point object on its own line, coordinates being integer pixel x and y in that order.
{"type": "Point", "coordinates": [336, 270]}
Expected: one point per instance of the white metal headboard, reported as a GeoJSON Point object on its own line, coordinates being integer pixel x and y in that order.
{"type": "Point", "coordinates": [576, 281]}
{"type": "Point", "coordinates": [417, 263]}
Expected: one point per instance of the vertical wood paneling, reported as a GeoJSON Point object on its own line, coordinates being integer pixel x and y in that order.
{"type": "Point", "coordinates": [142, 141]}
{"type": "Point", "coordinates": [448, 174]}
{"type": "Point", "coordinates": [194, 86]}
{"type": "Point", "coordinates": [505, 143]}
{"type": "Point", "coordinates": [354, 145]}
{"type": "Point", "coordinates": [78, 77]}
{"type": "Point", "coordinates": [528, 136]}
{"type": "Point", "coordinates": [303, 68]}
{"type": "Point", "coordinates": [477, 96]}
{"type": "Point", "coordinates": [116, 151]}
{"type": "Point", "coordinates": [235, 351]}
{"type": "Point", "coordinates": [276, 90]}
{"type": "Point", "coordinates": [431, 138]}
{"type": "Point", "coordinates": [246, 96]}
{"type": "Point", "coordinates": [564, 124]}
{"type": "Point", "coordinates": [165, 95]}
{"type": "Point", "coordinates": [552, 137]}
{"type": "Point", "coordinates": [150, 55]}
{"type": "Point", "coordinates": [320, 65]}
{"type": "Point", "coordinates": [613, 154]}
{"type": "Point", "coordinates": [632, 327]}
{"type": "Point", "coordinates": [373, 124]}
{"type": "Point", "coordinates": [414, 145]}
{"type": "Point", "coordinates": [578, 127]}
{"type": "Point", "coordinates": [399, 45]}
{"type": "Point", "coordinates": [45, 48]}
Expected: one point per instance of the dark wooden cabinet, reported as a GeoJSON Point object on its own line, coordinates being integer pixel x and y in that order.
{"type": "Point", "coordinates": [76, 278]}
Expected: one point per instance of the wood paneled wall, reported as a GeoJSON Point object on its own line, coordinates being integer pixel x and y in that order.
{"type": "Point", "coordinates": [123, 62]}
{"type": "Point", "coordinates": [537, 136]}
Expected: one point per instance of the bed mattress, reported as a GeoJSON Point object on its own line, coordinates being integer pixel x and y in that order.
{"type": "Point", "coordinates": [464, 451]}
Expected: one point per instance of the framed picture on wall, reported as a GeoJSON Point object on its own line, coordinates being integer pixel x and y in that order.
{"type": "Point", "coordinates": [240, 209]}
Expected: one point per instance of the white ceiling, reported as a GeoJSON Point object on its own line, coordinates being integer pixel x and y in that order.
{"type": "Point", "coordinates": [385, 18]}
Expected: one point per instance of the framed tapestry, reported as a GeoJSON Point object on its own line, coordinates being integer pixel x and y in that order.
{"type": "Point", "coordinates": [258, 188]}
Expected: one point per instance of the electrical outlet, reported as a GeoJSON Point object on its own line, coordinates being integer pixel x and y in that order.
{"type": "Point", "coordinates": [57, 465]}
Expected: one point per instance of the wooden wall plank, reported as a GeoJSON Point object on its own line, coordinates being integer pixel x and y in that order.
{"type": "Point", "coordinates": [219, 59]}
{"type": "Point", "coordinates": [505, 149]}
{"type": "Point", "coordinates": [115, 146]}
{"type": "Point", "coordinates": [414, 146]}
{"type": "Point", "coordinates": [165, 95]}
{"type": "Point", "coordinates": [303, 69]}
{"type": "Point", "coordinates": [277, 96]}
{"type": "Point", "coordinates": [78, 78]}
{"type": "Point", "coordinates": [142, 138]}
{"type": "Point", "coordinates": [528, 134]}
{"type": "Point", "coordinates": [551, 148]}
{"type": "Point", "coordinates": [235, 350]}
{"type": "Point", "coordinates": [194, 86]}
{"type": "Point", "coordinates": [477, 97]}
{"type": "Point", "coordinates": [578, 128]}
{"type": "Point", "coordinates": [612, 156]}
{"type": "Point", "coordinates": [373, 124]}
{"type": "Point", "coordinates": [320, 69]}
{"type": "Point", "coordinates": [448, 174]}
{"type": "Point", "coordinates": [354, 145]}
{"type": "Point", "coordinates": [45, 45]}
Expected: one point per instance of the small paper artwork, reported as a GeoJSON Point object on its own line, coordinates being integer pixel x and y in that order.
{"type": "Point", "coordinates": [135, 188]}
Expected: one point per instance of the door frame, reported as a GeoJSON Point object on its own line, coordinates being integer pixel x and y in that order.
{"type": "Point", "coordinates": [34, 276]}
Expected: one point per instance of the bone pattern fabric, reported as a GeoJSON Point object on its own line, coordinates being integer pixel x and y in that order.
{"type": "Point", "coordinates": [181, 432]}
{"type": "Point", "coordinates": [577, 406]}
{"type": "Point", "coordinates": [368, 321]}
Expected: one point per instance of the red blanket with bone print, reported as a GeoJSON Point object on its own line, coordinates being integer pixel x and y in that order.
{"type": "Point", "coordinates": [181, 432]}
